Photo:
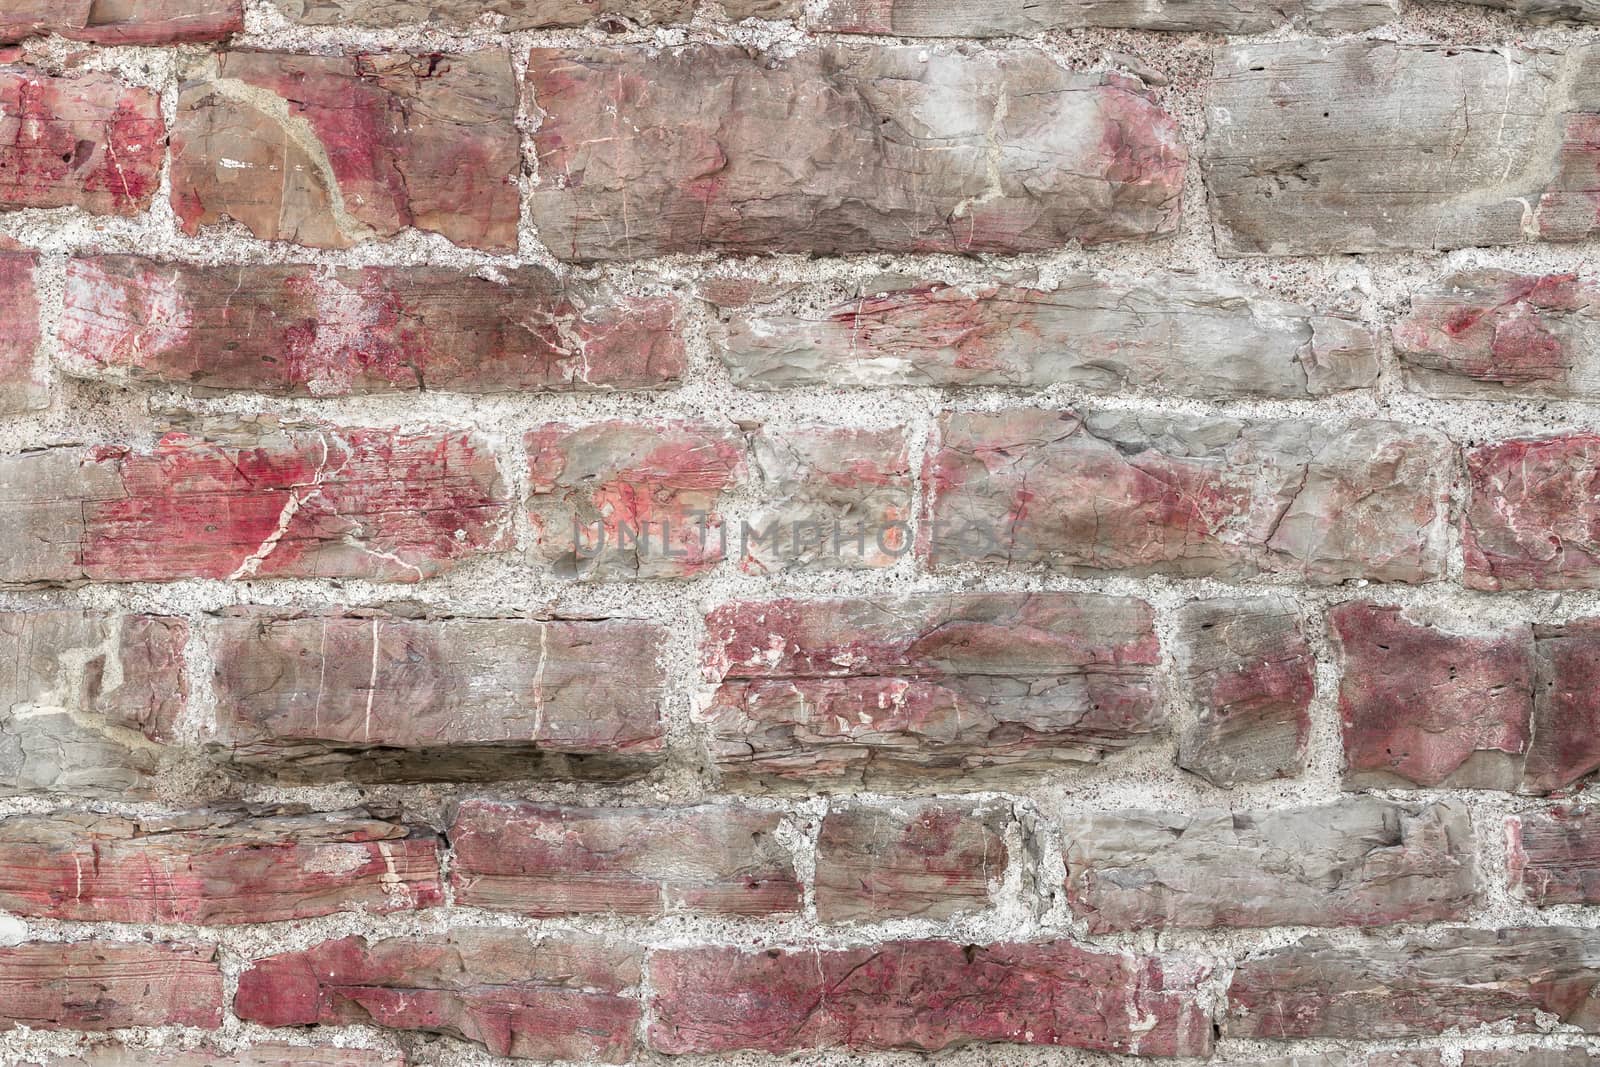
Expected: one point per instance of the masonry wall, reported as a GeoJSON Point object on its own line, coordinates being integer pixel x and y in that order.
{"type": "Point", "coordinates": [1046, 534]}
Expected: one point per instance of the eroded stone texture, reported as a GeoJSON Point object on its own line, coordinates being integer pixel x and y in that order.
{"type": "Point", "coordinates": [122, 22]}
{"type": "Point", "coordinates": [548, 860]}
{"type": "Point", "coordinates": [1521, 977]}
{"type": "Point", "coordinates": [1495, 334]}
{"type": "Point", "coordinates": [87, 141]}
{"type": "Point", "coordinates": [1250, 676]}
{"type": "Point", "coordinates": [1533, 1057]}
{"type": "Point", "coordinates": [328, 151]}
{"type": "Point", "coordinates": [307, 331]}
{"type": "Point", "coordinates": [1533, 517]}
{"type": "Point", "coordinates": [1175, 334]}
{"type": "Point", "coordinates": [21, 386]}
{"type": "Point", "coordinates": [1454, 146]}
{"type": "Point", "coordinates": [263, 1055]}
{"type": "Point", "coordinates": [558, 999]}
{"type": "Point", "coordinates": [1565, 748]}
{"type": "Point", "coordinates": [1415, 1057]}
{"type": "Point", "coordinates": [108, 985]}
{"type": "Point", "coordinates": [88, 701]}
{"type": "Point", "coordinates": [1188, 495]}
{"type": "Point", "coordinates": [1427, 702]}
{"type": "Point", "coordinates": [929, 859]}
{"type": "Point", "coordinates": [630, 498]}
{"type": "Point", "coordinates": [512, 15]}
{"type": "Point", "coordinates": [253, 501]}
{"type": "Point", "coordinates": [1554, 856]}
{"type": "Point", "coordinates": [925, 996]}
{"type": "Point", "coordinates": [915, 690]}
{"type": "Point", "coordinates": [212, 868]}
{"type": "Point", "coordinates": [1014, 18]}
{"type": "Point", "coordinates": [842, 148]}
{"type": "Point", "coordinates": [385, 698]}
{"type": "Point", "coordinates": [1359, 862]}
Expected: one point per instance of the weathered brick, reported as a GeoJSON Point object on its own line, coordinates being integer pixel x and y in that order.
{"type": "Point", "coordinates": [1457, 146]}
{"type": "Point", "coordinates": [1019, 18]}
{"type": "Point", "coordinates": [1533, 1057]}
{"type": "Point", "coordinates": [88, 141]}
{"type": "Point", "coordinates": [1250, 675]}
{"type": "Point", "coordinates": [87, 700]}
{"type": "Point", "coordinates": [1545, 12]}
{"type": "Point", "coordinates": [511, 15]}
{"type": "Point", "coordinates": [1492, 333]}
{"type": "Point", "coordinates": [1554, 856]}
{"type": "Point", "coordinates": [558, 999]}
{"type": "Point", "coordinates": [1188, 495]}
{"type": "Point", "coordinates": [1522, 978]}
{"type": "Point", "coordinates": [925, 996]}
{"type": "Point", "coordinates": [328, 151]}
{"type": "Point", "coordinates": [929, 859]}
{"type": "Point", "coordinates": [253, 501]}
{"type": "Point", "coordinates": [925, 688]}
{"type": "Point", "coordinates": [1427, 702]}
{"type": "Point", "coordinates": [306, 331]}
{"type": "Point", "coordinates": [263, 1055]}
{"type": "Point", "coordinates": [109, 985]}
{"type": "Point", "coordinates": [21, 386]}
{"type": "Point", "coordinates": [1565, 745]}
{"type": "Point", "coordinates": [384, 698]}
{"type": "Point", "coordinates": [842, 148]}
{"type": "Point", "coordinates": [212, 867]}
{"type": "Point", "coordinates": [548, 860]}
{"type": "Point", "coordinates": [115, 22]}
{"type": "Point", "coordinates": [1175, 333]}
{"type": "Point", "coordinates": [1532, 519]}
{"type": "Point", "coordinates": [1358, 862]}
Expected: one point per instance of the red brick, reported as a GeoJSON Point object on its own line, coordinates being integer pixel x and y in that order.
{"type": "Point", "coordinates": [1523, 979]}
{"type": "Point", "coordinates": [842, 148]}
{"type": "Point", "coordinates": [927, 688]}
{"type": "Point", "coordinates": [88, 141]}
{"type": "Point", "coordinates": [328, 151]}
{"type": "Point", "coordinates": [924, 996]}
{"type": "Point", "coordinates": [918, 859]}
{"type": "Point", "coordinates": [379, 697]}
{"type": "Point", "coordinates": [560, 999]}
{"type": "Point", "coordinates": [1250, 675]}
{"type": "Point", "coordinates": [1532, 519]}
{"type": "Point", "coordinates": [212, 868]}
{"type": "Point", "coordinates": [1426, 703]}
{"type": "Point", "coordinates": [307, 331]}
{"type": "Point", "coordinates": [1565, 748]}
{"type": "Point", "coordinates": [123, 22]}
{"type": "Point", "coordinates": [548, 860]}
{"type": "Point", "coordinates": [88, 701]}
{"type": "Point", "coordinates": [260, 501]}
{"type": "Point", "coordinates": [263, 1055]}
{"type": "Point", "coordinates": [108, 985]}
{"type": "Point", "coordinates": [21, 386]}
{"type": "Point", "coordinates": [1187, 495]}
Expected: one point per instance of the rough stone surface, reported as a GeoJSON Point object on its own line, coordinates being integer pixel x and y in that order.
{"type": "Point", "coordinates": [929, 859]}
{"type": "Point", "coordinates": [1492, 333]}
{"type": "Point", "coordinates": [212, 868]}
{"type": "Point", "coordinates": [87, 141]}
{"type": "Point", "coordinates": [1554, 856]}
{"type": "Point", "coordinates": [1456, 146]}
{"type": "Point", "coordinates": [114, 22]}
{"type": "Point", "coordinates": [308, 331]}
{"type": "Point", "coordinates": [1421, 985]}
{"type": "Point", "coordinates": [1532, 517]}
{"type": "Point", "coordinates": [1565, 746]}
{"type": "Point", "coordinates": [1176, 334]}
{"type": "Point", "coordinates": [923, 689]}
{"type": "Point", "coordinates": [328, 151]}
{"type": "Point", "coordinates": [1188, 496]}
{"type": "Point", "coordinates": [387, 698]}
{"type": "Point", "coordinates": [109, 985]}
{"type": "Point", "coordinates": [549, 860]}
{"type": "Point", "coordinates": [88, 700]}
{"type": "Point", "coordinates": [22, 388]}
{"type": "Point", "coordinates": [513, 15]}
{"type": "Point", "coordinates": [263, 1055]}
{"type": "Point", "coordinates": [1013, 18]}
{"type": "Point", "coordinates": [253, 502]}
{"type": "Point", "coordinates": [842, 148]}
{"type": "Point", "coordinates": [561, 998]}
{"type": "Point", "coordinates": [925, 995]}
{"type": "Point", "coordinates": [1358, 862]}
{"type": "Point", "coordinates": [1250, 675]}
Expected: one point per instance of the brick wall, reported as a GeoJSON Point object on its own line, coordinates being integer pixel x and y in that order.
{"type": "Point", "coordinates": [759, 532]}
